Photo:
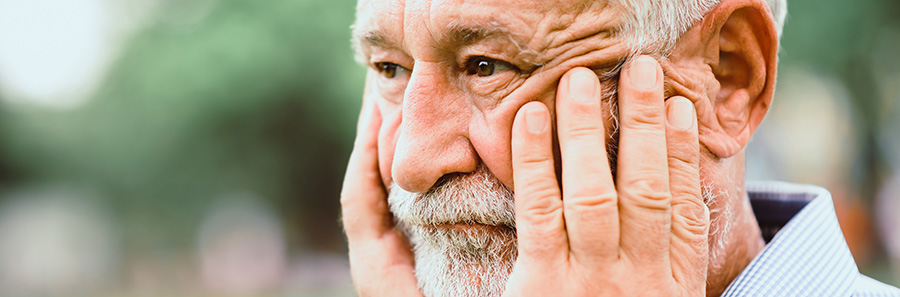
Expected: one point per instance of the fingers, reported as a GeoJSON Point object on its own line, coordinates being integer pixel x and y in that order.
{"type": "Point", "coordinates": [365, 213]}
{"type": "Point", "coordinates": [539, 221]}
{"type": "Point", "coordinates": [642, 177]}
{"type": "Point", "coordinates": [589, 195]}
{"type": "Point", "coordinates": [381, 260]}
{"type": "Point", "coordinates": [690, 215]}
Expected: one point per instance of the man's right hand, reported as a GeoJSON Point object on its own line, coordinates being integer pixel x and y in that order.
{"type": "Point", "coordinates": [381, 260]}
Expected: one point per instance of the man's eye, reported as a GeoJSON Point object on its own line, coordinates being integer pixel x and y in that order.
{"type": "Point", "coordinates": [391, 80]}
{"type": "Point", "coordinates": [482, 66]}
{"type": "Point", "coordinates": [388, 69]}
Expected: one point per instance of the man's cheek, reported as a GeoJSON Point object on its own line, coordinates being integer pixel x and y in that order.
{"type": "Point", "coordinates": [492, 143]}
{"type": "Point", "coordinates": [492, 138]}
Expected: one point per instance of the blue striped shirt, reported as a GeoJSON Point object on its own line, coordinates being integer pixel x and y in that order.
{"type": "Point", "coordinates": [806, 254]}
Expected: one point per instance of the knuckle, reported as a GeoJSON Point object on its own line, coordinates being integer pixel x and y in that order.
{"type": "Point", "coordinates": [644, 117]}
{"type": "Point", "coordinates": [590, 198]}
{"type": "Point", "coordinates": [585, 131]}
{"type": "Point", "coordinates": [679, 166]}
{"type": "Point", "coordinates": [649, 181]}
{"type": "Point", "coordinates": [579, 204]}
{"type": "Point", "coordinates": [681, 153]}
{"type": "Point", "coordinates": [534, 162]}
{"type": "Point", "coordinates": [542, 204]}
{"type": "Point", "coordinates": [691, 226]}
{"type": "Point", "coordinates": [692, 235]}
{"type": "Point", "coordinates": [649, 193]}
{"type": "Point", "coordinates": [691, 214]}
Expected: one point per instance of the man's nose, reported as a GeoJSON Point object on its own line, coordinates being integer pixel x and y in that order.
{"type": "Point", "coordinates": [433, 137]}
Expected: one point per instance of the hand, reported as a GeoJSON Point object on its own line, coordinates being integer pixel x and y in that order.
{"type": "Point", "coordinates": [646, 234]}
{"type": "Point", "coordinates": [381, 260]}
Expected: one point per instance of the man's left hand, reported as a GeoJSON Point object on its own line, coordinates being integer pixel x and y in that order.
{"type": "Point", "coordinates": [643, 235]}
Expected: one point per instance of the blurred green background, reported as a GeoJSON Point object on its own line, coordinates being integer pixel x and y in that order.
{"type": "Point", "coordinates": [196, 147]}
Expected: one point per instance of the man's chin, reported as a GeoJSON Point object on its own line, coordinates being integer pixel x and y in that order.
{"type": "Point", "coordinates": [462, 231]}
{"type": "Point", "coordinates": [463, 259]}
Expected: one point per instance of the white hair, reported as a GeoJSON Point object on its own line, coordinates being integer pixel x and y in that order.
{"type": "Point", "coordinates": [652, 26]}
{"type": "Point", "coordinates": [655, 26]}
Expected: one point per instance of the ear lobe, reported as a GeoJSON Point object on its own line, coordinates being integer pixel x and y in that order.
{"type": "Point", "coordinates": [744, 65]}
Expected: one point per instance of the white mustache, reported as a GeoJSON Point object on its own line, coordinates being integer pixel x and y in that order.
{"type": "Point", "coordinates": [477, 197]}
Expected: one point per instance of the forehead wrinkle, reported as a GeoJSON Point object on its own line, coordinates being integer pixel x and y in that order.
{"type": "Point", "coordinates": [585, 24]}
{"type": "Point", "coordinates": [364, 41]}
{"type": "Point", "coordinates": [367, 30]}
{"type": "Point", "coordinates": [588, 38]}
{"type": "Point", "coordinates": [417, 16]}
{"type": "Point", "coordinates": [378, 38]}
{"type": "Point", "coordinates": [472, 32]}
{"type": "Point", "coordinates": [464, 35]}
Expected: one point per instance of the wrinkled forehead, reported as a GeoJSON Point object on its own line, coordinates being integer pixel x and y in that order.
{"type": "Point", "coordinates": [441, 10]}
{"type": "Point", "coordinates": [405, 21]}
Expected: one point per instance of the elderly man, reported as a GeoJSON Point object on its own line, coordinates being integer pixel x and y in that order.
{"type": "Point", "coordinates": [577, 148]}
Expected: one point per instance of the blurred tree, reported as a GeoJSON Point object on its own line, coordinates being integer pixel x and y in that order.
{"type": "Point", "coordinates": [214, 97]}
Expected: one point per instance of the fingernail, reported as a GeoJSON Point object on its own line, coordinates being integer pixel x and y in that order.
{"type": "Point", "coordinates": [643, 73]}
{"type": "Point", "coordinates": [681, 113]}
{"type": "Point", "coordinates": [535, 119]}
{"type": "Point", "coordinates": [582, 85]}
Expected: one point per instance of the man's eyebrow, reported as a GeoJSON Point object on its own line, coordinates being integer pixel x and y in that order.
{"type": "Point", "coordinates": [460, 35]}
{"type": "Point", "coordinates": [363, 41]}
{"type": "Point", "coordinates": [375, 38]}
{"type": "Point", "coordinates": [454, 37]}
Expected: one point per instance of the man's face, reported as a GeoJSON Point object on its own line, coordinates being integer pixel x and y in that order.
{"type": "Point", "coordinates": [448, 77]}
{"type": "Point", "coordinates": [452, 74]}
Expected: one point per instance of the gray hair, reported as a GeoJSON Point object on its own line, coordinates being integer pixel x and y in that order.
{"type": "Point", "coordinates": [655, 26]}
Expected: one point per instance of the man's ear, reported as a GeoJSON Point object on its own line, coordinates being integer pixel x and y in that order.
{"type": "Point", "coordinates": [739, 43]}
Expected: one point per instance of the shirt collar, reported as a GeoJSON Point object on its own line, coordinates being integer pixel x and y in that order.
{"type": "Point", "coordinates": [807, 252]}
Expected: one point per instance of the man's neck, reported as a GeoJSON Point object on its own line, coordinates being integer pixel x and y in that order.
{"type": "Point", "coordinates": [742, 243]}
{"type": "Point", "coordinates": [735, 237]}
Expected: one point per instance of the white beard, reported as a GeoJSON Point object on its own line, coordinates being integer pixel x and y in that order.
{"type": "Point", "coordinates": [477, 261]}
{"type": "Point", "coordinates": [473, 261]}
